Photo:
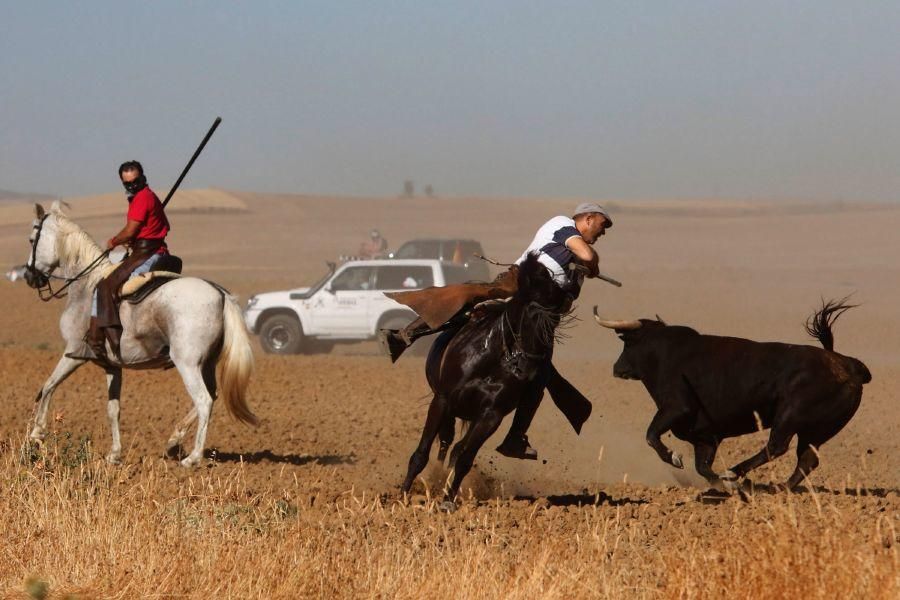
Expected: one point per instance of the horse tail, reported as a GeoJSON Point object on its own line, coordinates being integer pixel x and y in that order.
{"type": "Point", "coordinates": [235, 363]}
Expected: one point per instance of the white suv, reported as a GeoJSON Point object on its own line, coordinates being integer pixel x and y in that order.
{"type": "Point", "coordinates": [348, 304]}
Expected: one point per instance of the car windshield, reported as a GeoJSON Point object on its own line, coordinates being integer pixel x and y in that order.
{"type": "Point", "coordinates": [321, 280]}
{"type": "Point", "coordinates": [316, 286]}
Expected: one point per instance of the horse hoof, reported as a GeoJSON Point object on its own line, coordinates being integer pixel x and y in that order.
{"type": "Point", "coordinates": [174, 451]}
{"type": "Point", "coordinates": [448, 507]}
{"type": "Point", "coordinates": [716, 485]}
{"type": "Point", "coordinates": [189, 462]}
{"type": "Point", "coordinates": [113, 458]}
{"type": "Point", "coordinates": [730, 482]}
{"type": "Point", "coordinates": [677, 462]}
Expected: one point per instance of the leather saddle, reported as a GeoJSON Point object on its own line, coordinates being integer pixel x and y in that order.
{"type": "Point", "coordinates": [136, 289]}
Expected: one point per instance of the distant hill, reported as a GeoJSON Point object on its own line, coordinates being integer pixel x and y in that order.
{"type": "Point", "coordinates": [8, 197]}
{"type": "Point", "coordinates": [186, 200]}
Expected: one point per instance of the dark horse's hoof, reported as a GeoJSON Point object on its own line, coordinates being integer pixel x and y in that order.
{"type": "Point", "coordinates": [448, 506]}
{"type": "Point", "coordinates": [522, 450]}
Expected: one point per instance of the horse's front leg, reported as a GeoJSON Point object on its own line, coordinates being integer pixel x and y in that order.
{"type": "Point", "coordinates": [114, 390]}
{"type": "Point", "coordinates": [65, 367]}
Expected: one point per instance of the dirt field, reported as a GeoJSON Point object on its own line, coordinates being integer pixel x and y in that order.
{"type": "Point", "coordinates": [307, 503]}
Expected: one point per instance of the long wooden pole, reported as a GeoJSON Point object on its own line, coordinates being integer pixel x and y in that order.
{"type": "Point", "coordinates": [193, 158]}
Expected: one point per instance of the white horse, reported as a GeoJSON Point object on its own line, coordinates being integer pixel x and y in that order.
{"type": "Point", "coordinates": [199, 324]}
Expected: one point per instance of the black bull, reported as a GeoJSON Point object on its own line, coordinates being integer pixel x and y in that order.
{"type": "Point", "coordinates": [707, 388]}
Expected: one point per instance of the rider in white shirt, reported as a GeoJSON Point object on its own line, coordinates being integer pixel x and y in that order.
{"type": "Point", "coordinates": [559, 241]}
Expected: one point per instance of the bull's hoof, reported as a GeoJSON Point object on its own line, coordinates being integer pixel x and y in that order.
{"type": "Point", "coordinates": [677, 461]}
{"type": "Point", "coordinates": [448, 506]}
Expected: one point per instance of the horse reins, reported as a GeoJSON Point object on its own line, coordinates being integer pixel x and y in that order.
{"type": "Point", "coordinates": [517, 347]}
{"type": "Point", "coordinates": [45, 290]}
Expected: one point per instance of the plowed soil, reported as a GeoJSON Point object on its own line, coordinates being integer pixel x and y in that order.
{"type": "Point", "coordinates": [344, 423]}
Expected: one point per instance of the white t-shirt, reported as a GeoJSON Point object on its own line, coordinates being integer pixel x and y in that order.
{"type": "Point", "coordinates": [550, 242]}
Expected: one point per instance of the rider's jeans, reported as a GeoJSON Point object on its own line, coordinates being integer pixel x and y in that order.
{"type": "Point", "coordinates": [144, 267]}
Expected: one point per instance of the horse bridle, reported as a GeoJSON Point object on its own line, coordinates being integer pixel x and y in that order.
{"type": "Point", "coordinates": [42, 280]}
{"type": "Point", "coordinates": [517, 346]}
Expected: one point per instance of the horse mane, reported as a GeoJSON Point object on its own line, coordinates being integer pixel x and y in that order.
{"type": "Point", "coordinates": [530, 268]}
{"type": "Point", "coordinates": [548, 323]}
{"type": "Point", "coordinates": [76, 248]}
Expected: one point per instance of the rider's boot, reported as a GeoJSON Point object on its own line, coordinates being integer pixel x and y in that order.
{"type": "Point", "coordinates": [94, 344]}
{"type": "Point", "coordinates": [114, 336]}
{"type": "Point", "coordinates": [393, 342]}
{"type": "Point", "coordinates": [396, 341]}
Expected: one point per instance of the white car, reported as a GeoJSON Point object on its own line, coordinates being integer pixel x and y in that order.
{"type": "Point", "coordinates": [348, 304]}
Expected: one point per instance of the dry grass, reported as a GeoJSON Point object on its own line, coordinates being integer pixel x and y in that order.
{"type": "Point", "coordinates": [75, 526]}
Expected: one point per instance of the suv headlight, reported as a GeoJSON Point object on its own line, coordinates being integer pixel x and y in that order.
{"type": "Point", "coordinates": [252, 302]}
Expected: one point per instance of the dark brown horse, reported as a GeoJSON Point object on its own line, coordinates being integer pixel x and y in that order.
{"type": "Point", "coordinates": [482, 371]}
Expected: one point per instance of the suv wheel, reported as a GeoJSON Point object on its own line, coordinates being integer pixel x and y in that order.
{"type": "Point", "coordinates": [281, 334]}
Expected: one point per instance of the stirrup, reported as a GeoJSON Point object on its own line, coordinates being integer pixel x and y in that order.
{"type": "Point", "coordinates": [86, 352]}
{"type": "Point", "coordinates": [89, 355]}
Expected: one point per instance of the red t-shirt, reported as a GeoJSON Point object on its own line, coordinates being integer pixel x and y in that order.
{"type": "Point", "coordinates": [146, 208]}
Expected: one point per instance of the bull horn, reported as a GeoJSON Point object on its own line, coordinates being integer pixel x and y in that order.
{"type": "Point", "coordinates": [623, 325]}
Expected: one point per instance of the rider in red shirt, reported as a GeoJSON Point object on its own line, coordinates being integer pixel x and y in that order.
{"type": "Point", "coordinates": [146, 211]}
{"type": "Point", "coordinates": [145, 233]}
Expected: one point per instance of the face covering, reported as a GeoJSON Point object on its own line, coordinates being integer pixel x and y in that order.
{"type": "Point", "coordinates": [133, 187]}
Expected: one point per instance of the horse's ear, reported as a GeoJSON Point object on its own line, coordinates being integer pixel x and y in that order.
{"type": "Point", "coordinates": [39, 211]}
{"type": "Point", "coordinates": [57, 207]}
{"type": "Point", "coordinates": [658, 318]}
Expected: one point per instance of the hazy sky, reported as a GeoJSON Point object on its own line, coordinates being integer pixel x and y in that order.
{"type": "Point", "coordinates": [601, 99]}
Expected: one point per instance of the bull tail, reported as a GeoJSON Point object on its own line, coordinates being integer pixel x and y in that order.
{"type": "Point", "coordinates": [819, 324]}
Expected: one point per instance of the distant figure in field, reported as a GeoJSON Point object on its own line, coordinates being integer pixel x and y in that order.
{"type": "Point", "coordinates": [374, 247]}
